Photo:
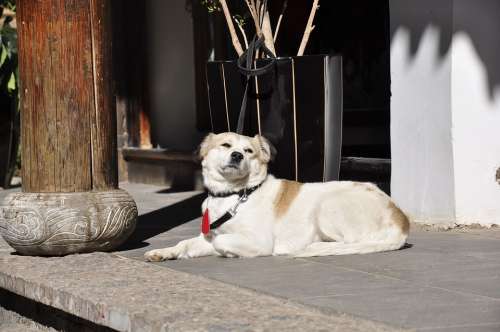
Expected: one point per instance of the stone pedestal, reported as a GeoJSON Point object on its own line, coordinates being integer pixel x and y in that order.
{"type": "Point", "coordinates": [65, 223]}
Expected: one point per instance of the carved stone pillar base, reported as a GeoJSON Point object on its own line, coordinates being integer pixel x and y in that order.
{"type": "Point", "coordinates": [66, 223]}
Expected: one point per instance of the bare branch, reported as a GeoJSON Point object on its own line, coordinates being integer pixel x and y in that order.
{"type": "Point", "coordinates": [253, 12]}
{"type": "Point", "coordinates": [285, 4]}
{"type": "Point", "coordinates": [309, 28]}
{"type": "Point", "coordinates": [250, 8]}
{"type": "Point", "coordinates": [268, 33]}
{"type": "Point", "coordinates": [242, 32]}
{"type": "Point", "coordinates": [232, 31]}
{"type": "Point", "coordinates": [252, 2]}
{"type": "Point", "coordinates": [259, 12]}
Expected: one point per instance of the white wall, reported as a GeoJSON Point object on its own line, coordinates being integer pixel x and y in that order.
{"type": "Point", "coordinates": [476, 111]}
{"type": "Point", "coordinates": [422, 179]}
{"type": "Point", "coordinates": [445, 110]}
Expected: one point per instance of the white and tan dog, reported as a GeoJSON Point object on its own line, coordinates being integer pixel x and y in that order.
{"type": "Point", "coordinates": [282, 217]}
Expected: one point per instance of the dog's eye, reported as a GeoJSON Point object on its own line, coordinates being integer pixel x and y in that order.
{"type": "Point", "coordinates": [226, 145]}
{"type": "Point", "coordinates": [248, 150]}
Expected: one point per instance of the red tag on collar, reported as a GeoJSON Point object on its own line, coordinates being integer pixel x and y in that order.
{"type": "Point", "coordinates": [205, 223]}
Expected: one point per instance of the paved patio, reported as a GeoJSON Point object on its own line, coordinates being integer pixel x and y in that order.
{"type": "Point", "coordinates": [442, 281]}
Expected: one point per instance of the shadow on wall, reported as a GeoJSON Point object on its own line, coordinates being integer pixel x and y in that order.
{"type": "Point", "coordinates": [480, 20]}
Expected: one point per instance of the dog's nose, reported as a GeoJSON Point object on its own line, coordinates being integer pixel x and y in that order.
{"type": "Point", "coordinates": [236, 157]}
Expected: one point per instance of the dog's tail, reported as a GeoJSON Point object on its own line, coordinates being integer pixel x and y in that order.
{"type": "Point", "coordinates": [341, 248]}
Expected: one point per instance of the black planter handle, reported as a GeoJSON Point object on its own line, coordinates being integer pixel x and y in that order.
{"type": "Point", "coordinates": [246, 60]}
{"type": "Point", "coordinates": [244, 64]}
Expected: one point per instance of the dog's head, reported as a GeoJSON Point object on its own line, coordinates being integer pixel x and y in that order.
{"type": "Point", "coordinates": [234, 159]}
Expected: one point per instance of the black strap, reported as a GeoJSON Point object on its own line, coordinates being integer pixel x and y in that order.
{"type": "Point", "coordinates": [244, 64]}
{"type": "Point", "coordinates": [245, 61]}
{"type": "Point", "coordinates": [241, 193]}
{"type": "Point", "coordinates": [221, 221]}
{"type": "Point", "coordinates": [229, 214]}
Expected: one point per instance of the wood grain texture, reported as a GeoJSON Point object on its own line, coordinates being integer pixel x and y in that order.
{"type": "Point", "coordinates": [68, 123]}
{"type": "Point", "coordinates": [103, 128]}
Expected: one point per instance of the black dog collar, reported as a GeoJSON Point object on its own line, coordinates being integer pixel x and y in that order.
{"type": "Point", "coordinates": [241, 193]}
{"type": "Point", "coordinates": [243, 197]}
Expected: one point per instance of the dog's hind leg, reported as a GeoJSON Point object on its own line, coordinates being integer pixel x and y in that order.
{"type": "Point", "coordinates": [341, 248]}
{"type": "Point", "coordinates": [238, 245]}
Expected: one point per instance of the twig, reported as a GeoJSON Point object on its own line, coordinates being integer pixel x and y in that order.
{"type": "Point", "coordinates": [252, 3]}
{"type": "Point", "coordinates": [232, 31]}
{"type": "Point", "coordinates": [285, 4]}
{"type": "Point", "coordinates": [242, 32]}
{"type": "Point", "coordinates": [250, 8]}
{"type": "Point", "coordinates": [258, 6]}
{"type": "Point", "coordinates": [268, 33]}
{"type": "Point", "coordinates": [253, 12]}
{"type": "Point", "coordinates": [309, 28]}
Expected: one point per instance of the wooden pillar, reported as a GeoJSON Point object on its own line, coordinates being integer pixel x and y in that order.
{"type": "Point", "coordinates": [70, 200]}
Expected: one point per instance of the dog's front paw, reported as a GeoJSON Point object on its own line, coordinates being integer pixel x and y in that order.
{"type": "Point", "coordinates": [159, 255]}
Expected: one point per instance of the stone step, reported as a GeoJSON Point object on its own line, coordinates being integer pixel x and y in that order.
{"type": "Point", "coordinates": [114, 292]}
{"type": "Point", "coordinates": [18, 327]}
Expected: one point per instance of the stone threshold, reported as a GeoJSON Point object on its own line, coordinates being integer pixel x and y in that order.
{"type": "Point", "coordinates": [454, 227]}
{"type": "Point", "coordinates": [117, 293]}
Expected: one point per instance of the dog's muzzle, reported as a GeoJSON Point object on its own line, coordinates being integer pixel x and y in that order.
{"type": "Point", "coordinates": [236, 157]}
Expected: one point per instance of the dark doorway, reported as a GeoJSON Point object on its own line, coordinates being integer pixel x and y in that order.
{"type": "Point", "coordinates": [360, 31]}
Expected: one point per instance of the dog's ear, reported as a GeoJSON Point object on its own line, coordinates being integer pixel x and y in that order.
{"type": "Point", "coordinates": [267, 150]}
{"type": "Point", "coordinates": [205, 146]}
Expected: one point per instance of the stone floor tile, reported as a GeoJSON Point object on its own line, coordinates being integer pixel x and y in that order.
{"type": "Point", "coordinates": [423, 307]}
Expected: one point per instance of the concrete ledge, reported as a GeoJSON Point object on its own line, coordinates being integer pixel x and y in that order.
{"type": "Point", "coordinates": [128, 295]}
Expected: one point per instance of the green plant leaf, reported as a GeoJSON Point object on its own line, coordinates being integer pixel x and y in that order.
{"type": "Point", "coordinates": [3, 55]}
{"type": "Point", "coordinates": [239, 19]}
{"type": "Point", "coordinates": [11, 85]}
{"type": "Point", "coordinates": [211, 5]}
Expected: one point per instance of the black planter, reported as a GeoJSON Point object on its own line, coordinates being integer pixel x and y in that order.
{"type": "Point", "coordinates": [9, 139]}
{"type": "Point", "coordinates": [297, 106]}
